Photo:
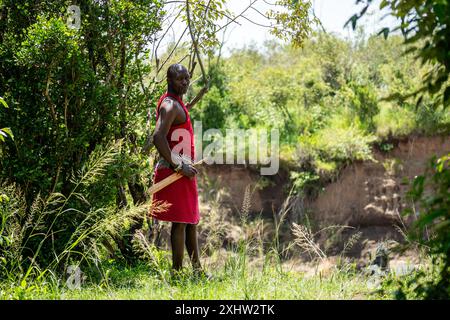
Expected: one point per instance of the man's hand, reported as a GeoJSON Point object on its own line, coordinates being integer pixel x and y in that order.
{"type": "Point", "coordinates": [188, 170]}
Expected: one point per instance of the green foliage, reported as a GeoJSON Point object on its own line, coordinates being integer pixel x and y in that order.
{"type": "Point", "coordinates": [435, 219]}
{"type": "Point", "coordinates": [53, 234]}
{"type": "Point", "coordinates": [328, 99]}
{"type": "Point", "coordinates": [394, 121]}
{"type": "Point", "coordinates": [425, 26]}
{"type": "Point", "coordinates": [140, 282]}
{"type": "Point", "coordinates": [295, 22]}
{"type": "Point", "coordinates": [212, 110]}
{"type": "Point", "coordinates": [5, 132]}
{"type": "Point", "coordinates": [400, 121]}
{"type": "Point", "coordinates": [301, 180]}
{"type": "Point", "coordinates": [333, 146]}
{"type": "Point", "coordinates": [202, 16]}
{"type": "Point", "coordinates": [363, 101]}
{"type": "Point", "coordinates": [73, 92]}
{"type": "Point", "coordinates": [431, 194]}
{"type": "Point", "coordinates": [343, 143]}
{"type": "Point", "coordinates": [70, 90]}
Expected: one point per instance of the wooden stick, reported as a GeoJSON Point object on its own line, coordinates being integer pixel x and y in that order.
{"type": "Point", "coordinates": [169, 180]}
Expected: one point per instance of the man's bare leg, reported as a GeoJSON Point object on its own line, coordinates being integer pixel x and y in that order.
{"type": "Point", "coordinates": [177, 238]}
{"type": "Point", "coordinates": [192, 246]}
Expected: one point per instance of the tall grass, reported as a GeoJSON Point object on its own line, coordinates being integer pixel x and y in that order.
{"type": "Point", "coordinates": [25, 233]}
{"type": "Point", "coordinates": [251, 267]}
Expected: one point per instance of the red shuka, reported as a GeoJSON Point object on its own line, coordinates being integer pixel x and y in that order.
{"type": "Point", "coordinates": [182, 195]}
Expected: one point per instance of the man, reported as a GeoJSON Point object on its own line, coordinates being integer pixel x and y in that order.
{"type": "Point", "coordinates": [174, 140]}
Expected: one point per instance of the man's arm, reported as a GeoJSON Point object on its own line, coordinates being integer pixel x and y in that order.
{"type": "Point", "coordinates": [167, 115]}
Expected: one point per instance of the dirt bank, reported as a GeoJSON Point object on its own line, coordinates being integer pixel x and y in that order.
{"type": "Point", "coordinates": [364, 194]}
{"type": "Point", "coordinates": [367, 196]}
{"type": "Point", "coordinates": [373, 193]}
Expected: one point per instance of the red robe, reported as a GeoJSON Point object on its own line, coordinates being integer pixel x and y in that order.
{"type": "Point", "coordinates": [182, 195]}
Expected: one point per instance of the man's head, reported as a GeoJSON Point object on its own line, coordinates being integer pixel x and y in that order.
{"type": "Point", "coordinates": [178, 79]}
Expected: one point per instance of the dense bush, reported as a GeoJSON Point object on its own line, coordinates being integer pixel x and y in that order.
{"type": "Point", "coordinates": [430, 193]}
{"type": "Point", "coordinates": [70, 90]}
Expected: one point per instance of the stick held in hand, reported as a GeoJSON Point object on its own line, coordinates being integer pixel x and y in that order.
{"type": "Point", "coordinates": [169, 180]}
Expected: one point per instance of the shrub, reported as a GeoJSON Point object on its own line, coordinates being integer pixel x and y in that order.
{"type": "Point", "coordinates": [393, 120]}
{"type": "Point", "coordinates": [431, 194]}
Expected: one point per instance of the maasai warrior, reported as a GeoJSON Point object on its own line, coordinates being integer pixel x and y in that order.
{"type": "Point", "coordinates": [174, 140]}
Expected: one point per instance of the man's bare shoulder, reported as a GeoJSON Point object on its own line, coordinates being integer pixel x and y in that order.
{"type": "Point", "coordinates": [169, 105]}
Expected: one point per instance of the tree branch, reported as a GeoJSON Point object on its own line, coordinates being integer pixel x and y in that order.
{"type": "Point", "coordinates": [194, 42]}
{"type": "Point", "coordinates": [205, 89]}
{"type": "Point", "coordinates": [171, 53]}
{"type": "Point", "coordinates": [236, 17]}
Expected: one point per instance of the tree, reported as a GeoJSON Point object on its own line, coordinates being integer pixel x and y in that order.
{"type": "Point", "coordinates": [76, 82]}
{"type": "Point", "coordinates": [425, 26]}
{"type": "Point", "coordinates": [71, 90]}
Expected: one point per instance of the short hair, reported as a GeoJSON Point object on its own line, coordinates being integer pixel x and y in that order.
{"type": "Point", "coordinates": [174, 69]}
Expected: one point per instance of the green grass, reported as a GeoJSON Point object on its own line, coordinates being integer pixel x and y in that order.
{"type": "Point", "coordinates": [144, 282]}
